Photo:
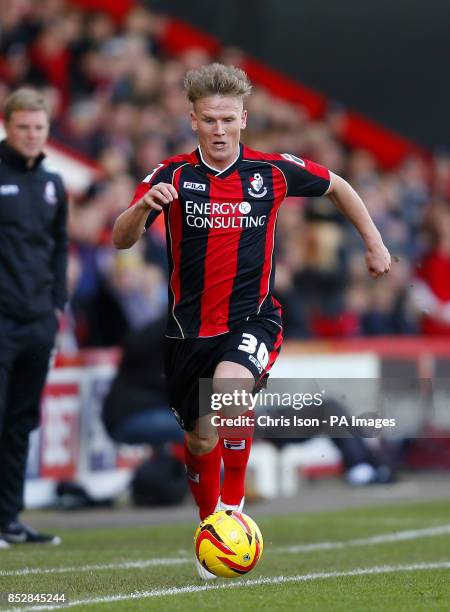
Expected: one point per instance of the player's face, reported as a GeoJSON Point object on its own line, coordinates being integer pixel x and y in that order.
{"type": "Point", "coordinates": [27, 132]}
{"type": "Point", "coordinates": [218, 121]}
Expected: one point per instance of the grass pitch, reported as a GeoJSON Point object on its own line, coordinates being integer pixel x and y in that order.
{"type": "Point", "coordinates": [384, 558]}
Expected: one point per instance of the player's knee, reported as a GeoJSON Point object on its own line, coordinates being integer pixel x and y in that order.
{"type": "Point", "coordinates": [230, 376]}
{"type": "Point", "coordinates": [232, 370]}
{"type": "Point", "coordinates": [200, 445]}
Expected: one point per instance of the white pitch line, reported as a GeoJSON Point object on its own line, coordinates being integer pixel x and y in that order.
{"type": "Point", "coordinates": [384, 538]}
{"type": "Point", "coordinates": [139, 564]}
{"type": "Point", "coordinates": [193, 588]}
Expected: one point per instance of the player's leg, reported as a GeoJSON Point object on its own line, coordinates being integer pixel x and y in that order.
{"type": "Point", "coordinates": [235, 450]}
{"type": "Point", "coordinates": [186, 361]}
{"type": "Point", "coordinates": [248, 354]}
{"type": "Point", "coordinates": [203, 459]}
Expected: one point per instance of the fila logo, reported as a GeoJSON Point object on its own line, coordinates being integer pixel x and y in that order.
{"type": "Point", "coordinates": [9, 189]}
{"type": "Point", "coordinates": [234, 444]}
{"type": "Point", "coordinates": [195, 186]}
{"type": "Point", "coordinates": [257, 183]}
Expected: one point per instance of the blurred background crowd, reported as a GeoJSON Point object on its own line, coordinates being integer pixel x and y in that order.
{"type": "Point", "coordinates": [118, 100]}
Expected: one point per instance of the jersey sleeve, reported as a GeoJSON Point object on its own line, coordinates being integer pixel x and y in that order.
{"type": "Point", "coordinates": [161, 174]}
{"type": "Point", "coordinates": [303, 177]}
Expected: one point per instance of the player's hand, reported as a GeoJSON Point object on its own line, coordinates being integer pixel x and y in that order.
{"type": "Point", "coordinates": [378, 259]}
{"type": "Point", "coordinates": [158, 195]}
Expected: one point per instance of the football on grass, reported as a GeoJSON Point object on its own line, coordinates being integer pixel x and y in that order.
{"type": "Point", "coordinates": [228, 543]}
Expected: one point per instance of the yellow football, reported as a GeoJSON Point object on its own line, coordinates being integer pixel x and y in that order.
{"type": "Point", "coordinates": [228, 543]}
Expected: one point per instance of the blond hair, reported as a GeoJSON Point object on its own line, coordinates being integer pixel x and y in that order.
{"type": "Point", "coordinates": [216, 79]}
{"type": "Point", "coordinates": [27, 99]}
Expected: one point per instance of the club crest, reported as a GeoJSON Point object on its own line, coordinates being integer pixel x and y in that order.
{"type": "Point", "coordinates": [257, 184]}
{"type": "Point", "coordinates": [50, 193]}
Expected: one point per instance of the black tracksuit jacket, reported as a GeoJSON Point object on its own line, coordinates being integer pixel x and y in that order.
{"type": "Point", "coordinates": [33, 237]}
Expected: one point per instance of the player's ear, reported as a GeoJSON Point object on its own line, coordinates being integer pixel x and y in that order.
{"type": "Point", "coordinates": [194, 122]}
{"type": "Point", "coordinates": [244, 120]}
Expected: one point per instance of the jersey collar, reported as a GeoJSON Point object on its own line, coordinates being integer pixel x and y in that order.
{"type": "Point", "coordinates": [15, 159]}
{"type": "Point", "coordinates": [214, 171]}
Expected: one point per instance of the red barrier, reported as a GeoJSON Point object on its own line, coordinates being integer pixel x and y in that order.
{"type": "Point", "coordinates": [405, 347]}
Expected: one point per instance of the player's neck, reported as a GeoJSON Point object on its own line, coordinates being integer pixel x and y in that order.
{"type": "Point", "coordinates": [221, 167]}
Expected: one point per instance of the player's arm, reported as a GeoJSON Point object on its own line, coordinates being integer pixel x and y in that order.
{"type": "Point", "coordinates": [345, 198]}
{"type": "Point", "coordinates": [130, 225]}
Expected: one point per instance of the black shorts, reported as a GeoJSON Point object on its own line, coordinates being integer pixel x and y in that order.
{"type": "Point", "coordinates": [254, 343]}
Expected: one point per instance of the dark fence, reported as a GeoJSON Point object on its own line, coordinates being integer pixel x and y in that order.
{"type": "Point", "coordinates": [384, 59]}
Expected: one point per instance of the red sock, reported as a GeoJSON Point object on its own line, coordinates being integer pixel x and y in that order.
{"type": "Point", "coordinates": [235, 453]}
{"type": "Point", "coordinates": [203, 473]}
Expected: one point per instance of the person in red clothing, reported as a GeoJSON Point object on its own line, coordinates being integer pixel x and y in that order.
{"type": "Point", "coordinates": [431, 290]}
{"type": "Point", "coordinates": [220, 206]}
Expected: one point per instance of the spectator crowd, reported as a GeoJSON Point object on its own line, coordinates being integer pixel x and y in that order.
{"type": "Point", "coordinates": [118, 99]}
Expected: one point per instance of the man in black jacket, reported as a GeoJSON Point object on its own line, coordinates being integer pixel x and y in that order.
{"type": "Point", "coordinates": [33, 258]}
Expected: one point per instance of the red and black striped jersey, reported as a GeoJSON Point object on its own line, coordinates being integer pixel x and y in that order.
{"type": "Point", "coordinates": [220, 235]}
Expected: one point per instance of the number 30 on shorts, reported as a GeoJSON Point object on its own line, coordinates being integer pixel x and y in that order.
{"type": "Point", "coordinates": [250, 345]}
